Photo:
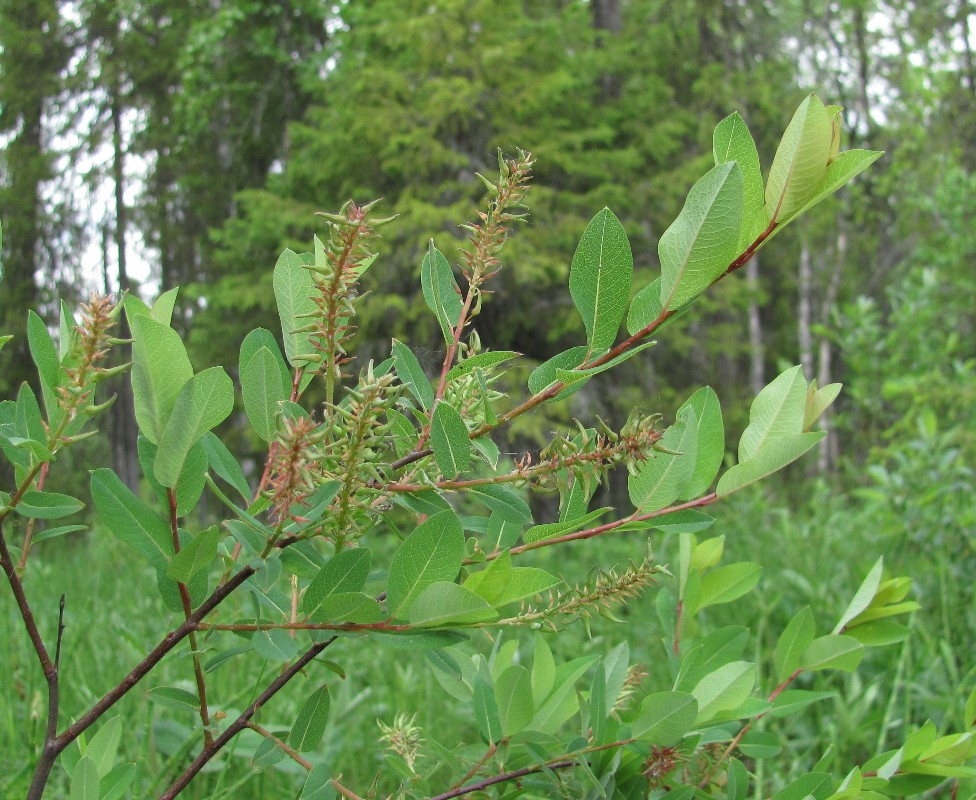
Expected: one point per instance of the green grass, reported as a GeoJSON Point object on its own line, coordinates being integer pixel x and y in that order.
{"type": "Point", "coordinates": [816, 555]}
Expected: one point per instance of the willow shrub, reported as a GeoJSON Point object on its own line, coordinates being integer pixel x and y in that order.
{"type": "Point", "coordinates": [392, 453]}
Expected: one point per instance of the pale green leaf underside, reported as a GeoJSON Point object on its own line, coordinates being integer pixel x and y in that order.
{"type": "Point", "coordinates": [777, 411]}
{"type": "Point", "coordinates": [263, 390]}
{"type": "Point", "coordinates": [196, 556]}
{"type": "Point", "coordinates": [293, 286]}
{"type": "Point", "coordinates": [446, 603]}
{"type": "Point", "coordinates": [160, 368]}
{"type": "Point", "coordinates": [704, 239]}
{"type": "Point", "coordinates": [801, 160]}
{"type": "Point", "coordinates": [205, 401]}
{"type": "Point", "coordinates": [772, 458]}
{"type": "Point", "coordinates": [662, 477]}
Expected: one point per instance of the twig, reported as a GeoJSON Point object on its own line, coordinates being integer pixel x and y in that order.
{"type": "Point", "coordinates": [242, 721]}
{"type": "Point", "coordinates": [285, 748]}
{"type": "Point", "coordinates": [50, 751]}
{"type": "Point", "coordinates": [187, 612]}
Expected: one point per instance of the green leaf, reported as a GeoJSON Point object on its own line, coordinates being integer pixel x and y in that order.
{"type": "Point", "coordinates": [293, 290]}
{"type": "Point", "coordinates": [104, 745]}
{"type": "Point", "coordinates": [543, 670]}
{"type": "Point", "coordinates": [703, 240]}
{"type": "Point", "coordinates": [54, 533]}
{"type": "Point", "coordinates": [263, 391]}
{"type": "Point", "coordinates": [346, 571]}
{"type": "Point", "coordinates": [412, 375]}
{"type": "Point", "coordinates": [189, 487]}
{"type": "Point", "coordinates": [800, 162]}
{"type": "Point", "coordinates": [402, 431]}
{"type": "Point", "coordinates": [793, 700]}
{"type": "Point", "coordinates": [48, 365]}
{"type": "Point", "coordinates": [772, 458]}
{"type": "Point", "coordinates": [85, 783]}
{"type": "Point", "coordinates": [160, 368]}
{"type": "Point", "coordinates": [162, 309]}
{"type": "Point", "coordinates": [431, 553]}
{"type": "Point", "coordinates": [449, 439]}
{"type": "Point", "coordinates": [760, 744]}
{"type": "Point", "coordinates": [839, 172]}
{"type": "Point", "coordinates": [550, 530]}
{"type": "Point", "coordinates": [545, 374]}
{"type": "Point", "coordinates": [174, 697]}
{"type": "Point", "coordinates": [205, 401]}
{"type": "Point", "coordinates": [483, 361]}
{"type": "Point", "coordinates": [502, 501]}
{"type": "Point", "coordinates": [776, 412]}
{"type": "Point", "coordinates": [804, 786]}
{"type": "Point", "coordinates": [318, 784]}
{"type": "Point", "coordinates": [833, 652]}
{"type": "Point", "coordinates": [486, 710]}
{"type": "Point", "coordinates": [724, 689]}
{"type": "Point", "coordinates": [728, 583]}
{"type": "Point", "coordinates": [130, 520]}
{"type": "Point", "coordinates": [4, 339]}
{"type": "Point", "coordinates": [709, 441]}
{"type": "Point", "coordinates": [662, 477]}
{"type": "Point", "coordinates": [348, 607]}
{"type": "Point", "coordinates": [29, 423]}
{"type": "Point", "coordinates": [67, 333]}
{"type": "Point", "coordinates": [513, 693]}
{"type": "Point", "coordinates": [572, 376]}
{"type": "Point", "coordinates": [274, 645]}
{"type": "Point", "coordinates": [599, 279]}
{"type": "Point", "coordinates": [222, 461]}
{"type": "Point", "coordinates": [863, 596]}
{"type": "Point", "coordinates": [441, 292]}
{"type": "Point", "coordinates": [446, 603]}
{"type": "Point", "coordinates": [732, 141]}
{"type": "Point", "coordinates": [563, 701]}
{"type": "Point", "coordinates": [665, 717]}
{"type": "Point", "coordinates": [115, 785]}
{"type": "Point", "coordinates": [254, 341]}
{"type": "Point", "coordinates": [499, 583]}
{"type": "Point", "coordinates": [47, 505]}
{"type": "Point", "coordinates": [196, 556]}
{"type": "Point", "coordinates": [309, 726]}
{"type": "Point", "coordinates": [818, 401]}
{"type": "Point", "coordinates": [878, 633]}
{"type": "Point", "coordinates": [793, 642]}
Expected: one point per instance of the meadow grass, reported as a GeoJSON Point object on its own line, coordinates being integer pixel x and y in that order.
{"type": "Point", "coordinates": [816, 555]}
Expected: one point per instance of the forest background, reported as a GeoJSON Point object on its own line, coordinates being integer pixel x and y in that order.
{"type": "Point", "coordinates": [153, 143]}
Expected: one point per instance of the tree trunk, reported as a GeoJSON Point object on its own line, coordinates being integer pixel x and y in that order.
{"type": "Point", "coordinates": [122, 425]}
{"type": "Point", "coordinates": [804, 309]}
{"type": "Point", "coordinates": [757, 352]}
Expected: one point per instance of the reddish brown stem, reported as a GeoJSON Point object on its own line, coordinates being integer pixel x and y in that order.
{"type": "Point", "coordinates": [187, 612]}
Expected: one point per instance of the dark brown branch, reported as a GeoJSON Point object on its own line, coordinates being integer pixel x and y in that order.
{"type": "Point", "coordinates": [503, 778]}
{"type": "Point", "coordinates": [242, 721]}
{"type": "Point", "coordinates": [49, 752]}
